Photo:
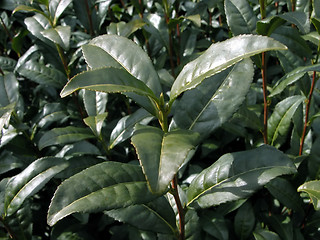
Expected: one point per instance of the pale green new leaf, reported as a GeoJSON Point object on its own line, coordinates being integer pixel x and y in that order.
{"type": "Point", "coordinates": [213, 102]}
{"type": "Point", "coordinates": [238, 175]}
{"type": "Point", "coordinates": [5, 114]}
{"type": "Point", "coordinates": [59, 35]}
{"type": "Point", "coordinates": [263, 234]}
{"type": "Point", "coordinates": [313, 189]}
{"type": "Point", "coordinates": [30, 181]}
{"type": "Point", "coordinates": [95, 123]}
{"type": "Point", "coordinates": [279, 121]}
{"type": "Point", "coordinates": [28, 9]}
{"type": "Point", "coordinates": [105, 186]}
{"type": "Point", "coordinates": [219, 57]}
{"type": "Point", "coordinates": [156, 216]}
{"type": "Point", "coordinates": [42, 74]}
{"type": "Point", "coordinates": [240, 16]}
{"type": "Point", "coordinates": [125, 29]}
{"type": "Point", "coordinates": [110, 80]}
{"type": "Point", "coordinates": [64, 135]}
{"type": "Point", "coordinates": [162, 154]}
{"type": "Point", "coordinates": [125, 127]}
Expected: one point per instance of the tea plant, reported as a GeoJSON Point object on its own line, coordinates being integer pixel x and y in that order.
{"type": "Point", "coordinates": [159, 120]}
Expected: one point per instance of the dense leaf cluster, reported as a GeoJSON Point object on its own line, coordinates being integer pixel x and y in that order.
{"type": "Point", "coordinates": [164, 119]}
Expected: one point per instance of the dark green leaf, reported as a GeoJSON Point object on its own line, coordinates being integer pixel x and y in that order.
{"type": "Point", "coordinates": [238, 175]}
{"type": "Point", "coordinates": [215, 225]}
{"type": "Point", "coordinates": [240, 16]}
{"type": "Point", "coordinates": [283, 190]}
{"type": "Point", "coordinates": [51, 113]}
{"type": "Point", "coordinates": [219, 57]}
{"type": "Point", "coordinates": [212, 103]}
{"type": "Point", "coordinates": [156, 216]}
{"type": "Point", "coordinates": [162, 154]}
{"type": "Point", "coordinates": [279, 121]}
{"type": "Point", "coordinates": [57, 7]}
{"type": "Point", "coordinates": [244, 221]}
{"type": "Point", "coordinates": [42, 74]}
{"type": "Point", "coordinates": [105, 186]}
{"type": "Point", "coordinates": [9, 162]}
{"type": "Point", "coordinates": [95, 123]}
{"type": "Point", "coordinates": [300, 19]}
{"type": "Point", "coordinates": [111, 80]}
{"type": "Point", "coordinates": [263, 234]}
{"type": "Point", "coordinates": [64, 135]}
{"type": "Point", "coordinates": [95, 102]}
{"type": "Point", "coordinates": [125, 29]}
{"type": "Point", "coordinates": [59, 35]}
{"type": "Point", "coordinates": [7, 63]}
{"type": "Point", "coordinates": [9, 90]}
{"type": "Point", "coordinates": [30, 181]}
{"type": "Point", "coordinates": [125, 127]}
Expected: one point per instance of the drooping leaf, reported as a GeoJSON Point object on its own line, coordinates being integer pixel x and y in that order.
{"type": "Point", "coordinates": [313, 190]}
{"type": "Point", "coordinates": [240, 16]}
{"type": "Point", "coordinates": [59, 35]}
{"type": "Point", "coordinates": [162, 154]}
{"type": "Point", "coordinates": [9, 90]}
{"type": "Point", "coordinates": [105, 186]}
{"type": "Point", "coordinates": [51, 113]}
{"type": "Point", "coordinates": [28, 9]}
{"type": "Point", "coordinates": [95, 102]}
{"type": "Point", "coordinates": [64, 135]}
{"type": "Point", "coordinates": [213, 102]}
{"type": "Point", "coordinates": [238, 175]}
{"type": "Point", "coordinates": [30, 181]}
{"type": "Point", "coordinates": [244, 221]}
{"type": "Point", "coordinates": [156, 216]}
{"type": "Point", "coordinates": [57, 7]}
{"type": "Point", "coordinates": [219, 57]}
{"type": "Point", "coordinates": [110, 80]}
{"type": "Point", "coordinates": [279, 121]}
{"type": "Point", "coordinates": [95, 123]}
{"type": "Point", "coordinates": [9, 162]}
{"type": "Point", "coordinates": [125, 127]}
{"type": "Point", "coordinates": [79, 149]}
{"type": "Point", "coordinates": [42, 74]}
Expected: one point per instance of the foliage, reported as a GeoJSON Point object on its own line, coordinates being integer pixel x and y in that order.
{"type": "Point", "coordinates": [159, 119]}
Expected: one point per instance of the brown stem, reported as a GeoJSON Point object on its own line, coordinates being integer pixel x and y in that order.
{"type": "Point", "coordinates": [293, 5]}
{"type": "Point", "coordinates": [265, 100]}
{"type": "Point", "coordinates": [307, 113]}
{"type": "Point", "coordinates": [1, 72]}
{"type": "Point", "coordinates": [89, 17]}
{"type": "Point", "coordinates": [174, 185]}
{"type": "Point", "coordinates": [11, 234]}
{"type": "Point", "coordinates": [5, 29]}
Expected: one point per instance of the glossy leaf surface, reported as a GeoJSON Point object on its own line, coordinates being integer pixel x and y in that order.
{"type": "Point", "coordinates": [95, 103]}
{"type": "Point", "coordinates": [210, 104]}
{"type": "Point", "coordinates": [105, 186]}
{"type": "Point", "coordinates": [240, 16]}
{"type": "Point", "coordinates": [64, 135]}
{"type": "Point", "coordinates": [57, 7]}
{"type": "Point", "coordinates": [238, 175]}
{"type": "Point", "coordinates": [219, 57]}
{"type": "Point", "coordinates": [95, 123]}
{"type": "Point", "coordinates": [111, 80]}
{"type": "Point", "coordinates": [313, 189]}
{"type": "Point", "coordinates": [279, 121]}
{"type": "Point", "coordinates": [125, 127]}
{"type": "Point", "coordinates": [162, 154]}
{"type": "Point", "coordinates": [156, 216]}
{"type": "Point", "coordinates": [31, 180]}
{"type": "Point", "coordinates": [244, 221]}
{"type": "Point", "coordinates": [59, 35]}
{"type": "Point", "coordinates": [9, 89]}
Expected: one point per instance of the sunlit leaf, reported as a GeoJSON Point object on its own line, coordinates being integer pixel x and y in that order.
{"type": "Point", "coordinates": [313, 189]}
{"type": "Point", "coordinates": [59, 35]}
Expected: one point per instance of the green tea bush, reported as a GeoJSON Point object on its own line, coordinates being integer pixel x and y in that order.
{"type": "Point", "coordinates": [159, 119]}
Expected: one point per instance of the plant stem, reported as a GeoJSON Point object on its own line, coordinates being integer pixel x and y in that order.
{"type": "Point", "coordinates": [293, 5]}
{"type": "Point", "coordinates": [264, 81]}
{"type": "Point", "coordinates": [63, 60]}
{"type": "Point", "coordinates": [89, 17]}
{"type": "Point", "coordinates": [11, 235]}
{"type": "Point", "coordinates": [307, 113]}
{"type": "Point", "coordinates": [174, 184]}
